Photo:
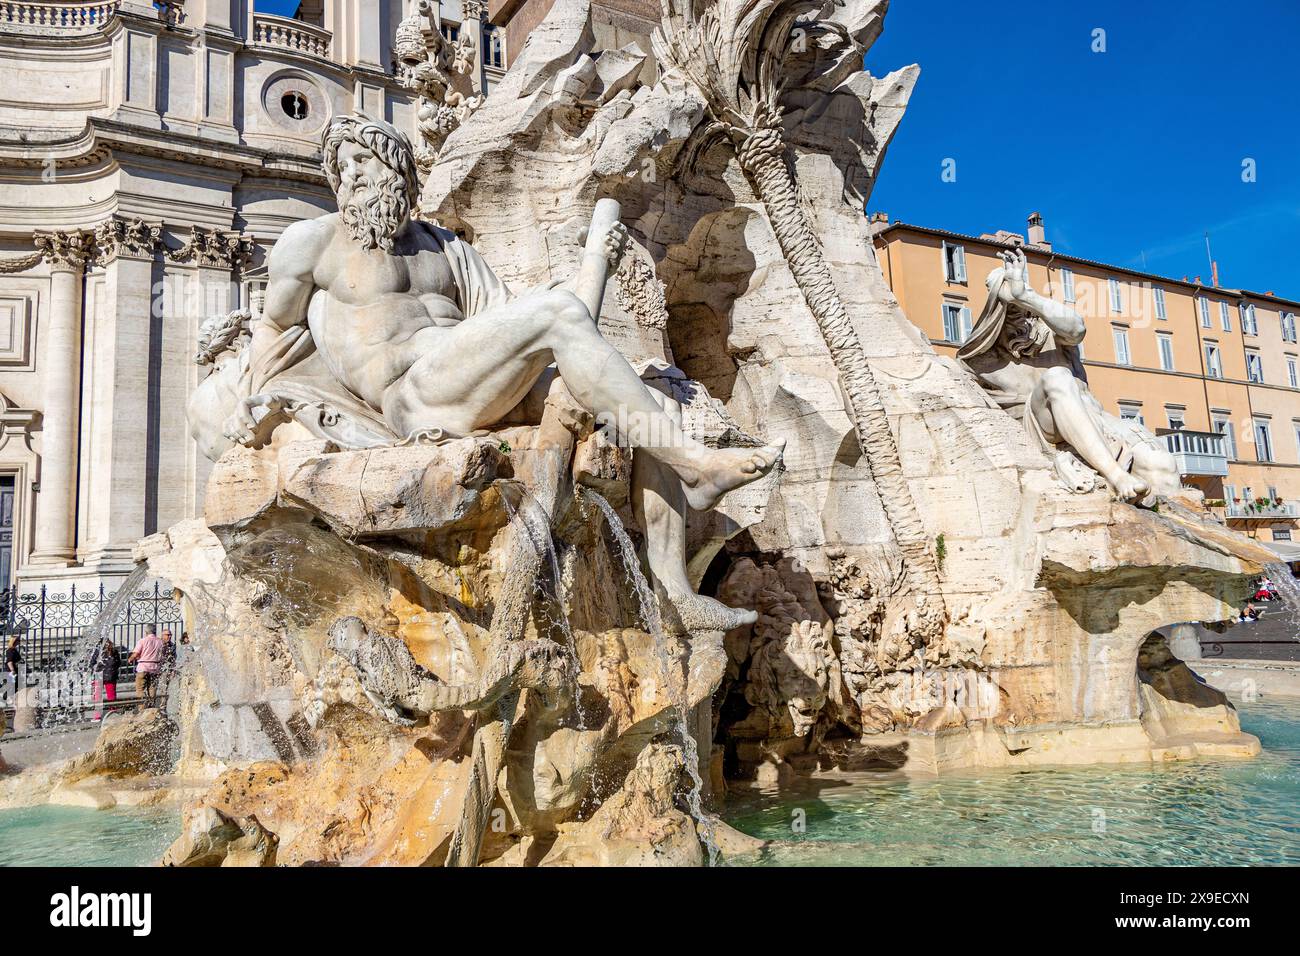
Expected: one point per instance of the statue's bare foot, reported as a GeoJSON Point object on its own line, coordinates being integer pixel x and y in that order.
{"type": "Point", "coordinates": [692, 613]}
{"type": "Point", "coordinates": [724, 469]}
{"type": "Point", "coordinates": [1129, 487]}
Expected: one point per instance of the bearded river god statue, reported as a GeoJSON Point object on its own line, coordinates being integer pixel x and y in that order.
{"type": "Point", "coordinates": [379, 329]}
{"type": "Point", "coordinates": [1024, 350]}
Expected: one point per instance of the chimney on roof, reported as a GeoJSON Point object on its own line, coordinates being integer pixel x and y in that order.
{"type": "Point", "coordinates": [1214, 273]}
{"type": "Point", "coordinates": [1198, 281]}
{"type": "Point", "coordinates": [879, 222]}
{"type": "Point", "coordinates": [1037, 231]}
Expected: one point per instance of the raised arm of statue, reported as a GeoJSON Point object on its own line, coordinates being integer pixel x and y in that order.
{"type": "Point", "coordinates": [1066, 324]}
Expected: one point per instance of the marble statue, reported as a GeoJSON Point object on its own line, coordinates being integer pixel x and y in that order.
{"type": "Point", "coordinates": [1024, 351]}
{"type": "Point", "coordinates": [429, 66]}
{"type": "Point", "coordinates": [221, 346]}
{"type": "Point", "coordinates": [379, 329]}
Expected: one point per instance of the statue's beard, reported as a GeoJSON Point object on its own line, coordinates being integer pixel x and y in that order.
{"type": "Point", "coordinates": [1024, 334]}
{"type": "Point", "coordinates": [373, 212]}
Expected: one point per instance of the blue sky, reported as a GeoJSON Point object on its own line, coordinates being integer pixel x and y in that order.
{"type": "Point", "coordinates": [281, 8]}
{"type": "Point", "coordinates": [1131, 155]}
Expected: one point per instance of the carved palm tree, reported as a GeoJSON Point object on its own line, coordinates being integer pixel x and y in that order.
{"type": "Point", "coordinates": [741, 55]}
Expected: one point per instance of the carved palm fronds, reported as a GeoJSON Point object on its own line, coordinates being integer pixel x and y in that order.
{"type": "Point", "coordinates": [742, 56]}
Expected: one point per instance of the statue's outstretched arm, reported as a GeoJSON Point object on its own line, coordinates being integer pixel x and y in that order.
{"type": "Point", "coordinates": [1066, 324]}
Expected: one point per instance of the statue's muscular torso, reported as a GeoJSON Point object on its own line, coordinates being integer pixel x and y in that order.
{"type": "Point", "coordinates": [371, 308]}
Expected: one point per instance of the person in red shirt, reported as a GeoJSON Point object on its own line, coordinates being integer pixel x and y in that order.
{"type": "Point", "coordinates": [148, 659]}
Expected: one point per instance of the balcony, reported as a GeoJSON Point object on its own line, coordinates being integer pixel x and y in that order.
{"type": "Point", "coordinates": [61, 17]}
{"type": "Point", "coordinates": [1261, 509]}
{"type": "Point", "coordinates": [286, 33]}
{"type": "Point", "coordinates": [1197, 453]}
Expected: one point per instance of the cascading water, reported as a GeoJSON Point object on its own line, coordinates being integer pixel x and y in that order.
{"type": "Point", "coordinates": [101, 627]}
{"type": "Point", "coordinates": [652, 620]}
{"type": "Point", "coordinates": [1288, 588]}
{"type": "Point", "coordinates": [536, 524]}
{"type": "Point", "coordinates": [66, 692]}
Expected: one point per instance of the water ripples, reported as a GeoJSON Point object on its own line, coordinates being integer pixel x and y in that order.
{"type": "Point", "coordinates": [1204, 812]}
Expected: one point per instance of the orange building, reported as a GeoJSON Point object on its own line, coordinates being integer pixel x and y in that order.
{"type": "Point", "coordinates": [1214, 372]}
{"type": "Point", "coordinates": [615, 23]}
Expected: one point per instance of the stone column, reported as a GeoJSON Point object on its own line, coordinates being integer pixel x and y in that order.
{"type": "Point", "coordinates": [56, 502]}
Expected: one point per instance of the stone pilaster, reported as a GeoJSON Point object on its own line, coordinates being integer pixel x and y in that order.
{"type": "Point", "coordinates": [121, 407]}
{"type": "Point", "coordinates": [474, 12]}
{"type": "Point", "coordinates": [56, 504]}
{"type": "Point", "coordinates": [208, 264]}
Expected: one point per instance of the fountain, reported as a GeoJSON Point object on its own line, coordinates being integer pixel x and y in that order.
{"type": "Point", "coordinates": [423, 632]}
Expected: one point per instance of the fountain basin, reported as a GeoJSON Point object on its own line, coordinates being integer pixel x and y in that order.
{"type": "Point", "coordinates": [1202, 812]}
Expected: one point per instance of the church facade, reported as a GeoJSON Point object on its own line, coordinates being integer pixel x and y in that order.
{"type": "Point", "coordinates": [149, 158]}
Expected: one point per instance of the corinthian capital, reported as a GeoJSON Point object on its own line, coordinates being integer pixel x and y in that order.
{"type": "Point", "coordinates": [69, 250]}
{"type": "Point", "coordinates": [213, 249]}
{"type": "Point", "coordinates": [133, 238]}
{"type": "Point", "coordinates": [473, 10]}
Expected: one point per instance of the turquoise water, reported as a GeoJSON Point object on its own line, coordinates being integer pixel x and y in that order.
{"type": "Point", "coordinates": [1233, 812]}
{"type": "Point", "coordinates": [73, 836]}
{"type": "Point", "coordinates": [1204, 812]}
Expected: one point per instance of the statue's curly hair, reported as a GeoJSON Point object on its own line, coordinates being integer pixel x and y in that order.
{"type": "Point", "coordinates": [220, 333]}
{"type": "Point", "coordinates": [385, 140]}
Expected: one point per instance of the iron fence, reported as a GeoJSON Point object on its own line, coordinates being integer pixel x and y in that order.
{"type": "Point", "coordinates": [51, 623]}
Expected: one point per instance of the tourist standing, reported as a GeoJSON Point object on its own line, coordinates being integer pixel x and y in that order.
{"type": "Point", "coordinates": [13, 669]}
{"type": "Point", "coordinates": [148, 659]}
{"type": "Point", "coordinates": [104, 666]}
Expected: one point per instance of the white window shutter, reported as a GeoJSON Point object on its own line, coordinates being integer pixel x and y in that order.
{"type": "Point", "coordinates": [965, 323]}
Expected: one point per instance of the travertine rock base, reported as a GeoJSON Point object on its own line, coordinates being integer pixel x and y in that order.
{"type": "Point", "coordinates": [412, 541]}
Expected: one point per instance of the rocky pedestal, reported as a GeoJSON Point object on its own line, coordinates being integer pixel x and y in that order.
{"type": "Point", "coordinates": [310, 732]}
{"type": "Point", "coordinates": [1048, 595]}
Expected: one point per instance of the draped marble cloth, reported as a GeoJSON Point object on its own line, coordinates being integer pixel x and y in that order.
{"type": "Point", "coordinates": [992, 345]}
{"type": "Point", "coordinates": [299, 385]}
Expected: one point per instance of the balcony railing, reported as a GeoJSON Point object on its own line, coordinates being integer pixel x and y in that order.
{"type": "Point", "coordinates": [58, 16]}
{"type": "Point", "coordinates": [1197, 453]}
{"type": "Point", "coordinates": [285, 33]}
{"type": "Point", "coordinates": [1262, 510]}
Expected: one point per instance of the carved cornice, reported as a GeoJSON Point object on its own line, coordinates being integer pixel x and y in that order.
{"type": "Point", "coordinates": [130, 238]}
{"type": "Point", "coordinates": [210, 248]}
{"type": "Point", "coordinates": [66, 249]}
{"type": "Point", "coordinates": [17, 423]}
